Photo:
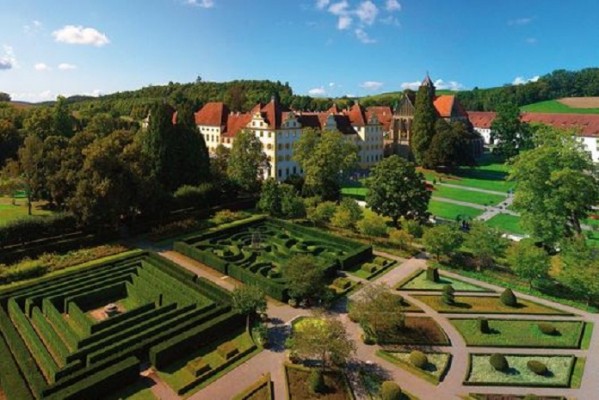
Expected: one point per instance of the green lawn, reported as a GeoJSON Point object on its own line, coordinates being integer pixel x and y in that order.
{"type": "Point", "coordinates": [451, 211]}
{"type": "Point", "coordinates": [515, 333]}
{"type": "Point", "coordinates": [419, 282]}
{"type": "Point", "coordinates": [469, 196]}
{"type": "Point", "coordinates": [506, 223]}
{"type": "Point", "coordinates": [518, 374]}
{"type": "Point", "coordinates": [485, 305]}
{"type": "Point", "coordinates": [10, 212]}
{"type": "Point", "coordinates": [554, 106]}
{"type": "Point", "coordinates": [432, 372]}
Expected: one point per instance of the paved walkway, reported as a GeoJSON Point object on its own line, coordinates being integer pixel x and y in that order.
{"type": "Point", "coordinates": [470, 188]}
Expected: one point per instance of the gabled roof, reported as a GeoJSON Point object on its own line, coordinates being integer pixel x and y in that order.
{"type": "Point", "coordinates": [481, 119]}
{"type": "Point", "coordinates": [236, 123]}
{"type": "Point", "coordinates": [356, 115]}
{"type": "Point", "coordinates": [383, 114]}
{"type": "Point", "coordinates": [448, 106]}
{"type": "Point", "coordinates": [212, 114]}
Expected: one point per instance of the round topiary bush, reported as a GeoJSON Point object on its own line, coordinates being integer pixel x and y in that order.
{"type": "Point", "coordinates": [390, 391]}
{"type": "Point", "coordinates": [432, 274]}
{"type": "Point", "coordinates": [448, 296]}
{"type": "Point", "coordinates": [547, 328]}
{"type": "Point", "coordinates": [483, 325]}
{"type": "Point", "coordinates": [537, 367]}
{"type": "Point", "coordinates": [418, 359]}
{"type": "Point", "coordinates": [509, 298]}
{"type": "Point", "coordinates": [316, 381]}
{"type": "Point", "coordinates": [499, 362]}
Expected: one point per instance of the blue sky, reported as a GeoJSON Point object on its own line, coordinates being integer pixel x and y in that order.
{"type": "Point", "coordinates": [335, 47]}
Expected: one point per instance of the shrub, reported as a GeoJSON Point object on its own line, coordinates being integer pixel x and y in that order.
{"type": "Point", "coordinates": [483, 325]}
{"type": "Point", "coordinates": [348, 213]}
{"type": "Point", "coordinates": [448, 296]}
{"type": "Point", "coordinates": [227, 350]}
{"type": "Point", "coordinates": [499, 362]}
{"type": "Point", "coordinates": [175, 228]}
{"type": "Point", "coordinates": [370, 268]}
{"type": "Point", "coordinates": [547, 328]}
{"type": "Point", "coordinates": [508, 298]}
{"type": "Point", "coordinates": [201, 196]}
{"type": "Point", "coordinates": [400, 238]}
{"type": "Point", "coordinates": [413, 227]}
{"type": "Point", "coordinates": [372, 225]}
{"type": "Point", "coordinates": [226, 216]}
{"type": "Point", "coordinates": [322, 212]}
{"type": "Point", "coordinates": [316, 381]}
{"type": "Point", "coordinates": [390, 391]}
{"type": "Point", "coordinates": [418, 359]}
{"type": "Point", "coordinates": [342, 283]}
{"type": "Point", "coordinates": [432, 274]}
{"type": "Point", "coordinates": [537, 367]}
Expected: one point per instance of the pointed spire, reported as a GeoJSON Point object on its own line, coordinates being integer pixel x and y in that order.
{"type": "Point", "coordinates": [427, 80]}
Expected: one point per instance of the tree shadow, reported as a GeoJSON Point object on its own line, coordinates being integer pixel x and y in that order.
{"type": "Point", "coordinates": [277, 336]}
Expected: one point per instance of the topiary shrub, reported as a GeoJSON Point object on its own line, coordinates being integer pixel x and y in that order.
{"type": "Point", "coordinates": [448, 296]}
{"type": "Point", "coordinates": [390, 391]}
{"type": "Point", "coordinates": [432, 274]}
{"type": "Point", "coordinates": [509, 298]}
{"type": "Point", "coordinates": [316, 381]}
{"type": "Point", "coordinates": [483, 325]}
{"type": "Point", "coordinates": [547, 328]}
{"type": "Point", "coordinates": [499, 362]}
{"type": "Point", "coordinates": [418, 359]}
{"type": "Point", "coordinates": [537, 367]}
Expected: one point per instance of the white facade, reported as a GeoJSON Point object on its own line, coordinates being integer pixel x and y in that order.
{"type": "Point", "coordinates": [485, 133]}
{"type": "Point", "coordinates": [591, 144]}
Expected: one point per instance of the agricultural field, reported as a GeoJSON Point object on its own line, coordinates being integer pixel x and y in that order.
{"type": "Point", "coordinates": [522, 333]}
{"type": "Point", "coordinates": [570, 105]}
{"type": "Point", "coordinates": [10, 212]}
{"type": "Point", "coordinates": [82, 334]}
{"type": "Point", "coordinates": [254, 251]}
{"type": "Point", "coordinates": [506, 223]}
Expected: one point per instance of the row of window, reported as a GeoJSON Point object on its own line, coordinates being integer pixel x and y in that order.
{"type": "Point", "coordinates": [288, 172]}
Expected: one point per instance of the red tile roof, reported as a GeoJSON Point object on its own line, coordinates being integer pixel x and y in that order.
{"type": "Point", "coordinates": [236, 123]}
{"type": "Point", "coordinates": [383, 114]}
{"type": "Point", "coordinates": [212, 114]}
{"type": "Point", "coordinates": [584, 124]}
{"type": "Point", "coordinates": [448, 106]}
{"type": "Point", "coordinates": [356, 115]}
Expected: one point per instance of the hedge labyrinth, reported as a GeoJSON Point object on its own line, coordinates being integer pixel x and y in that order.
{"type": "Point", "coordinates": [51, 346]}
{"type": "Point", "coordinates": [254, 252]}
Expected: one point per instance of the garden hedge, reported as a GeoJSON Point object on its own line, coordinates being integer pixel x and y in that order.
{"type": "Point", "coordinates": [13, 384]}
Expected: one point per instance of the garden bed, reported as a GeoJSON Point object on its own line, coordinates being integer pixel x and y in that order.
{"type": "Point", "coordinates": [521, 333]}
{"type": "Point", "coordinates": [518, 374]}
{"type": "Point", "coordinates": [418, 331]}
{"type": "Point", "coordinates": [298, 389]}
{"type": "Point", "coordinates": [419, 282]}
{"type": "Point", "coordinates": [261, 390]}
{"type": "Point", "coordinates": [433, 372]}
{"type": "Point", "coordinates": [373, 268]}
{"type": "Point", "coordinates": [486, 305]}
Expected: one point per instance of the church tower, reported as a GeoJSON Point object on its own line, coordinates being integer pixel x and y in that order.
{"type": "Point", "coordinates": [428, 83]}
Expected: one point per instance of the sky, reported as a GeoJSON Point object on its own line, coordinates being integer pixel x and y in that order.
{"type": "Point", "coordinates": [321, 47]}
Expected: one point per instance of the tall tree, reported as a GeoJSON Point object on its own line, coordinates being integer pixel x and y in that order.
{"type": "Point", "coordinates": [39, 122]}
{"type": "Point", "coordinates": [10, 140]}
{"type": "Point", "coordinates": [450, 147]}
{"type": "Point", "coordinates": [556, 184]}
{"type": "Point", "coordinates": [396, 189]}
{"type": "Point", "coordinates": [443, 239]}
{"type": "Point", "coordinates": [305, 277]}
{"type": "Point", "coordinates": [528, 261]}
{"type": "Point", "coordinates": [326, 158]}
{"type": "Point", "coordinates": [248, 300]}
{"type": "Point", "coordinates": [62, 120]}
{"type": "Point", "coordinates": [486, 244]}
{"type": "Point", "coordinates": [579, 269]}
{"type": "Point", "coordinates": [247, 161]}
{"type": "Point", "coordinates": [379, 311]}
{"type": "Point", "coordinates": [194, 160]}
{"type": "Point", "coordinates": [511, 133]}
{"type": "Point", "coordinates": [425, 116]}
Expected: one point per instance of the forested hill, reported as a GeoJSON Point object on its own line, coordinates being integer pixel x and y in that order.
{"type": "Point", "coordinates": [556, 85]}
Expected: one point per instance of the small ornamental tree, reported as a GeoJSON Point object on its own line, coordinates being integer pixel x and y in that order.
{"type": "Point", "coordinates": [248, 300]}
{"type": "Point", "coordinates": [432, 274]}
{"type": "Point", "coordinates": [418, 359]}
{"type": "Point", "coordinates": [509, 298]}
{"type": "Point", "coordinates": [390, 391]}
{"type": "Point", "coordinates": [537, 367]}
{"type": "Point", "coordinates": [448, 295]}
{"type": "Point", "coordinates": [483, 325]}
{"type": "Point", "coordinates": [400, 238]}
{"type": "Point", "coordinates": [528, 261]}
{"type": "Point", "coordinates": [499, 362]}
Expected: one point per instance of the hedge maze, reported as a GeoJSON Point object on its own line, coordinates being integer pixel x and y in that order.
{"type": "Point", "coordinates": [54, 346]}
{"type": "Point", "coordinates": [254, 251]}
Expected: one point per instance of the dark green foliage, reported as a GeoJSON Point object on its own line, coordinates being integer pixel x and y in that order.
{"type": "Point", "coordinates": [390, 391]}
{"type": "Point", "coordinates": [499, 362]}
{"type": "Point", "coordinates": [316, 381]}
{"type": "Point", "coordinates": [396, 189]}
{"type": "Point", "coordinates": [483, 325]}
{"type": "Point", "coordinates": [432, 274]}
{"type": "Point", "coordinates": [425, 117]}
{"type": "Point", "coordinates": [509, 298]}
{"type": "Point", "coordinates": [280, 200]}
{"type": "Point", "coordinates": [247, 162]}
{"type": "Point", "coordinates": [418, 359]}
{"type": "Point", "coordinates": [443, 240]}
{"type": "Point", "coordinates": [193, 159]}
{"type": "Point", "coordinates": [201, 196]}
{"type": "Point", "coordinates": [448, 295]}
{"type": "Point", "coordinates": [512, 135]}
{"type": "Point", "coordinates": [29, 229]}
{"type": "Point", "coordinates": [547, 328]}
{"type": "Point", "coordinates": [13, 385]}
{"type": "Point", "coordinates": [537, 367]}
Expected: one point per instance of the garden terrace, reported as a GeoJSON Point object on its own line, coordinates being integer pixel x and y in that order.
{"type": "Point", "coordinates": [62, 345]}
{"type": "Point", "coordinates": [254, 251]}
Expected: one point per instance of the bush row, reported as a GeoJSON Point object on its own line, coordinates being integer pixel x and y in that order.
{"type": "Point", "coordinates": [33, 228]}
{"type": "Point", "coordinates": [160, 289]}
{"type": "Point", "coordinates": [269, 286]}
{"type": "Point", "coordinates": [59, 324]}
{"type": "Point", "coordinates": [117, 319]}
{"type": "Point", "coordinates": [79, 318]}
{"type": "Point", "coordinates": [108, 290]}
{"type": "Point", "coordinates": [205, 257]}
{"type": "Point", "coordinates": [49, 335]}
{"type": "Point", "coordinates": [13, 385]}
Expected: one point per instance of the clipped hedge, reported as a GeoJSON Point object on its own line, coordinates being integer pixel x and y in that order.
{"type": "Point", "coordinates": [79, 317]}
{"type": "Point", "coordinates": [205, 257]}
{"type": "Point", "coordinates": [58, 322]}
{"type": "Point", "coordinates": [499, 362]}
{"type": "Point", "coordinates": [268, 286]}
{"type": "Point", "coordinates": [117, 319]}
{"type": "Point", "coordinates": [13, 385]}
{"type": "Point", "coordinates": [49, 335]}
{"type": "Point", "coordinates": [227, 350]}
{"type": "Point", "coordinates": [537, 367]}
{"type": "Point", "coordinates": [33, 228]}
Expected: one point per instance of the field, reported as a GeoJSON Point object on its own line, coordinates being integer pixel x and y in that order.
{"type": "Point", "coordinates": [484, 305]}
{"type": "Point", "coordinates": [582, 105]}
{"type": "Point", "coordinates": [10, 212]}
{"type": "Point", "coordinates": [560, 371]}
{"type": "Point", "coordinates": [516, 333]}
{"type": "Point", "coordinates": [506, 223]}
{"type": "Point", "coordinates": [51, 347]}
{"type": "Point", "coordinates": [419, 282]}
{"type": "Point", "coordinates": [451, 211]}
{"type": "Point", "coordinates": [470, 196]}
{"type": "Point", "coordinates": [254, 251]}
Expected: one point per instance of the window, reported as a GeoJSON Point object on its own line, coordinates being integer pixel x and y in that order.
{"type": "Point", "coordinates": [286, 172]}
{"type": "Point", "coordinates": [294, 170]}
{"type": "Point", "coordinates": [280, 173]}
{"type": "Point", "coordinates": [269, 146]}
{"type": "Point", "coordinates": [279, 158]}
{"type": "Point", "coordinates": [287, 146]}
{"type": "Point", "coordinates": [287, 157]}
{"type": "Point", "coordinates": [269, 135]}
{"type": "Point", "coordinates": [280, 146]}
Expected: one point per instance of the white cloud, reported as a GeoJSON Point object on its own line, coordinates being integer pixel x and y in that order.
{"type": "Point", "coordinates": [66, 66]}
{"type": "Point", "coordinates": [72, 34]}
{"type": "Point", "coordinates": [32, 28]}
{"type": "Point", "coordinates": [363, 36]}
{"type": "Point", "coordinates": [439, 84]}
{"type": "Point", "coordinates": [33, 96]}
{"type": "Point", "coordinates": [367, 12]}
{"type": "Point", "coordinates": [7, 58]}
{"type": "Point", "coordinates": [520, 21]}
{"type": "Point", "coordinates": [41, 67]}
{"type": "Point", "coordinates": [520, 80]}
{"type": "Point", "coordinates": [392, 5]}
{"type": "Point", "coordinates": [390, 20]}
{"type": "Point", "coordinates": [371, 85]}
{"type": "Point", "coordinates": [531, 40]}
{"type": "Point", "coordinates": [331, 84]}
{"type": "Point", "coordinates": [321, 4]}
{"type": "Point", "coordinates": [317, 92]}
{"type": "Point", "coordinates": [410, 85]}
{"type": "Point", "coordinates": [201, 3]}
{"type": "Point", "coordinates": [344, 22]}
{"type": "Point", "coordinates": [339, 8]}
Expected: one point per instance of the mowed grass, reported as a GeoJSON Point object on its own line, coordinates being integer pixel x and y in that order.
{"type": "Point", "coordinates": [559, 367]}
{"type": "Point", "coordinates": [450, 211]}
{"type": "Point", "coordinates": [506, 223]}
{"type": "Point", "coordinates": [516, 333]}
{"type": "Point", "coordinates": [469, 196]}
{"type": "Point", "coordinates": [419, 282]}
{"type": "Point", "coordinates": [435, 368]}
{"type": "Point", "coordinates": [10, 212]}
{"type": "Point", "coordinates": [418, 330]}
{"type": "Point", "coordinates": [485, 305]}
{"type": "Point", "coordinates": [555, 106]}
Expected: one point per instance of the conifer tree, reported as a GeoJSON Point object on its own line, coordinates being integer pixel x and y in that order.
{"type": "Point", "coordinates": [425, 117]}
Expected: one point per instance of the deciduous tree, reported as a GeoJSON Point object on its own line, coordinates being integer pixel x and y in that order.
{"type": "Point", "coordinates": [443, 239]}
{"type": "Point", "coordinates": [511, 133]}
{"type": "Point", "coordinates": [305, 277]}
{"type": "Point", "coordinates": [528, 261]}
{"type": "Point", "coordinates": [378, 310]}
{"type": "Point", "coordinates": [248, 300]}
{"type": "Point", "coordinates": [485, 243]}
{"type": "Point", "coordinates": [247, 162]}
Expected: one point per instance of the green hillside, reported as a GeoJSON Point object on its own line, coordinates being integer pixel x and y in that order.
{"type": "Point", "coordinates": [554, 106]}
